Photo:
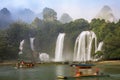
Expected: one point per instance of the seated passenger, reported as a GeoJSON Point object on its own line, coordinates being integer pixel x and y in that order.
{"type": "Point", "coordinates": [78, 73]}
{"type": "Point", "coordinates": [22, 62]}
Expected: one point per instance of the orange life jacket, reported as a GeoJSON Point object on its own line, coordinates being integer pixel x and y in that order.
{"type": "Point", "coordinates": [77, 74]}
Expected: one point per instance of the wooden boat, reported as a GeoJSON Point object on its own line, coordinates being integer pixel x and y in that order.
{"type": "Point", "coordinates": [26, 64]}
{"type": "Point", "coordinates": [82, 76]}
{"type": "Point", "coordinates": [23, 64]}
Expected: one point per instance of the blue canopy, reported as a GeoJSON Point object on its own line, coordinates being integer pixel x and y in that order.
{"type": "Point", "coordinates": [83, 65]}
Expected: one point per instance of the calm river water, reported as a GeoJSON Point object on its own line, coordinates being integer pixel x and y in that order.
{"type": "Point", "coordinates": [51, 71]}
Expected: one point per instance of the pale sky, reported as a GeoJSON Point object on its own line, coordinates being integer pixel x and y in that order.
{"type": "Point", "coordinates": [86, 9]}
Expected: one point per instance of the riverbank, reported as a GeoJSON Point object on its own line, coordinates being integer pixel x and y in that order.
{"type": "Point", "coordinates": [116, 62]}
{"type": "Point", "coordinates": [8, 63]}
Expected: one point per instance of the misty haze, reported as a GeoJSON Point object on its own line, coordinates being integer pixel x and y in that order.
{"type": "Point", "coordinates": [51, 39]}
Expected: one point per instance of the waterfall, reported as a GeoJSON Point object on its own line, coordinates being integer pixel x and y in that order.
{"type": "Point", "coordinates": [83, 46]}
{"type": "Point", "coordinates": [44, 57]}
{"type": "Point", "coordinates": [32, 43]}
{"type": "Point", "coordinates": [100, 46]}
{"type": "Point", "coordinates": [21, 46]}
{"type": "Point", "coordinates": [59, 47]}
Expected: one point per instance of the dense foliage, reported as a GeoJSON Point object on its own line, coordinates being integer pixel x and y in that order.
{"type": "Point", "coordinates": [46, 32]}
{"type": "Point", "coordinates": [109, 32]}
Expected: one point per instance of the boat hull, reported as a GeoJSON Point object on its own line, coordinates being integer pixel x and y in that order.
{"type": "Point", "coordinates": [83, 76]}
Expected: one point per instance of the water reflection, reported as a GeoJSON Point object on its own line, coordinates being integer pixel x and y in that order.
{"type": "Point", "coordinates": [50, 72]}
{"type": "Point", "coordinates": [59, 70]}
{"type": "Point", "coordinates": [20, 74]}
{"type": "Point", "coordinates": [87, 79]}
{"type": "Point", "coordinates": [26, 74]}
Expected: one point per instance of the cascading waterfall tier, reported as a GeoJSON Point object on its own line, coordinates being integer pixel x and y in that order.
{"type": "Point", "coordinates": [83, 46]}
{"type": "Point", "coordinates": [22, 43]}
{"type": "Point", "coordinates": [100, 46]}
{"type": "Point", "coordinates": [44, 57]}
{"type": "Point", "coordinates": [32, 43]}
{"type": "Point", "coordinates": [21, 46]}
{"type": "Point", "coordinates": [59, 47]}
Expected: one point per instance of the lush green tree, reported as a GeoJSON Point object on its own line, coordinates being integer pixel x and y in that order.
{"type": "Point", "coordinates": [3, 45]}
{"type": "Point", "coordinates": [73, 29]}
{"type": "Point", "coordinates": [7, 50]}
{"type": "Point", "coordinates": [15, 34]}
{"type": "Point", "coordinates": [49, 14]}
{"type": "Point", "coordinates": [98, 26]}
{"type": "Point", "coordinates": [99, 54]}
{"type": "Point", "coordinates": [109, 32]}
{"type": "Point", "coordinates": [112, 42]}
{"type": "Point", "coordinates": [46, 32]}
{"type": "Point", "coordinates": [37, 23]}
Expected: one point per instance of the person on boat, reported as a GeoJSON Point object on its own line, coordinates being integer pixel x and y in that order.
{"type": "Point", "coordinates": [96, 71]}
{"type": "Point", "coordinates": [78, 73]}
{"type": "Point", "coordinates": [22, 62]}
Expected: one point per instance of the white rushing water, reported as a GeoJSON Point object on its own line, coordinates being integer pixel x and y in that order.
{"type": "Point", "coordinates": [32, 43]}
{"type": "Point", "coordinates": [83, 46]}
{"type": "Point", "coordinates": [59, 47]}
{"type": "Point", "coordinates": [44, 57]}
{"type": "Point", "coordinates": [21, 46]}
{"type": "Point", "coordinates": [100, 46]}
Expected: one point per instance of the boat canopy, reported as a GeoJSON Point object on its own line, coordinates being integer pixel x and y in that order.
{"type": "Point", "coordinates": [83, 66]}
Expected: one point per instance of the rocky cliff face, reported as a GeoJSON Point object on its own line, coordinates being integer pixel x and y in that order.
{"type": "Point", "coordinates": [107, 14]}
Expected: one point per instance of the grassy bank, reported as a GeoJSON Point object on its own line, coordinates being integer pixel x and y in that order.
{"type": "Point", "coordinates": [8, 63]}
{"type": "Point", "coordinates": [109, 62]}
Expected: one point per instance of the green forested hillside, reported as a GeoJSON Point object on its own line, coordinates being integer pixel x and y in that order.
{"type": "Point", "coordinates": [46, 32]}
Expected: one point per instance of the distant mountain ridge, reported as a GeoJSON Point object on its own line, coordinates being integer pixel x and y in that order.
{"type": "Point", "coordinates": [5, 11]}
{"type": "Point", "coordinates": [28, 16]}
{"type": "Point", "coordinates": [25, 15]}
{"type": "Point", "coordinates": [107, 14]}
{"type": "Point", "coordinates": [5, 18]}
{"type": "Point", "coordinates": [65, 18]}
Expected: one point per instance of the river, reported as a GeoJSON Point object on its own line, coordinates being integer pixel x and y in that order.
{"type": "Point", "coordinates": [51, 71]}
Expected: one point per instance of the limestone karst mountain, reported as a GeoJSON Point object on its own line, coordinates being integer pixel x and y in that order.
{"type": "Point", "coordinates": [107, 14]}
{"type": "Point", "coordinates": [5, 18]}
{"type": "Point", "coordinates": [25, 15]}
{"type": "Point", "coordinates": [65, 18]}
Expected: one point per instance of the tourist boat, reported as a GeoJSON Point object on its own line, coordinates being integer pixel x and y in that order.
{"type": "Point", "coordinates": [23, 64]}
{"type": "Point", "coordinates": [85, 71]}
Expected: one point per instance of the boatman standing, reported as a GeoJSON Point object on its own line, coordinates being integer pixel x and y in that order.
{"type": "Point", "coordinates": [78, 72]}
